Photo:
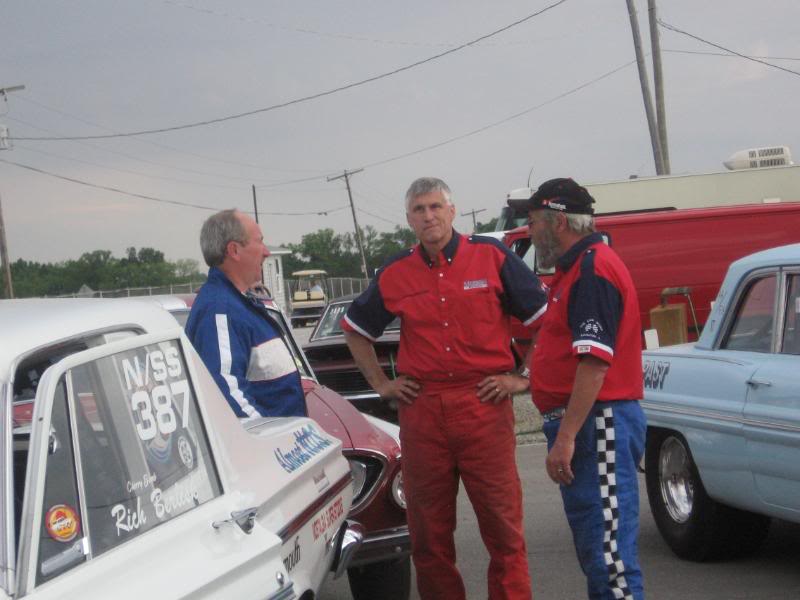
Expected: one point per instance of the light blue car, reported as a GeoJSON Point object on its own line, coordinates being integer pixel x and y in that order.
{"type": "Point", "coordinates": [723, 438]}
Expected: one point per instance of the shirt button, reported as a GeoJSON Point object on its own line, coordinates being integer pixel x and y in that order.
{"type": "Point", "coordinates": [445, 323]}
{"type": "Point", "coordinates": [441, 274]}
{"type": "Point", "coordinates": [442, 299]}
{"type": "Point", "coordinates": [448, 348]}
{"type": "Point", "coordinates": [449, 374]}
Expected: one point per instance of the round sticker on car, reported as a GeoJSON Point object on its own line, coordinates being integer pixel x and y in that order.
{"type": "Point", "coordinates": [62, 523]}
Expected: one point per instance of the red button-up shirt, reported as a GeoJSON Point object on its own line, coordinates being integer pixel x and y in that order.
{"type": "Point", "coordinates": [592, 309]}
{"type": "Point", "coordinates": [455, 315]}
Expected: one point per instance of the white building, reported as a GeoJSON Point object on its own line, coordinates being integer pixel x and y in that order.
{"type": "Point", "coordinates": [273, 274]}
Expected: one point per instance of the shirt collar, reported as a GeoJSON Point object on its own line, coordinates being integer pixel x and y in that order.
{"type": "Point", "coordinates": [570, 256]}
{"type": "Point", "coordinates": [449, 251]}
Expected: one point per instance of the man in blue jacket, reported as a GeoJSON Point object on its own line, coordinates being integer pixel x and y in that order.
{"type": "Point", "coordinates": [238, 341]}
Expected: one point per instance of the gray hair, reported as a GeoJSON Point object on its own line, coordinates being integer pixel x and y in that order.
{"type": "Point", "coordinates": [577, 223]}
{"type": "Point", "coordinates": [218, 231]}
{"type": "Point", "coordinates": [427, 185]}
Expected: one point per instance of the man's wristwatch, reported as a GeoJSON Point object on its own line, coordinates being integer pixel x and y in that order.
{"type": "Point", "coordinates": [526, 373]}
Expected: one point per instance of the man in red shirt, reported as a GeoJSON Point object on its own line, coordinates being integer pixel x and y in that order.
{"type": "Point", "coordinates": [586, 380]}
{"type": "Point", "coordinates": [455, 295]}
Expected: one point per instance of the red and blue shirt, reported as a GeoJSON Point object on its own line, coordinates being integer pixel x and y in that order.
{"type": "Point", "coordinates": [592, 309]}
{"type": "Point", "coordinates": [455, 324]}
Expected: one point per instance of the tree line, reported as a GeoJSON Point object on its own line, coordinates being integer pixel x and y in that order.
{"type": "Point", "coordinates": [100, 270]}
{"type": "Point", "coordinates": [336, 253]}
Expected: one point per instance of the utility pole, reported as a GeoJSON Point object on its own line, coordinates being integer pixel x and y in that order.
{"type": "Point", "coordinates": [473, 212]}
{"type": "Point", "coordinates": [4, 257]}
{"type": "Point", "coordinates": [648, 102]}
{"type": "Point", "coordinates": [346, 175]}
{"type": "Point", "coordinates": [255, 211]}
{"type": "Point", "coordinates": [9, 285]}
{"type": "Point", "coordinates": [658, 81]}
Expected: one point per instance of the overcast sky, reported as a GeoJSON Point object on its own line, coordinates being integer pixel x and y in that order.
{"type": "Point", "coordinates": [94, 67]}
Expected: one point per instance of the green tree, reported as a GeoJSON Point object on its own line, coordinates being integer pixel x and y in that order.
{"type": "Point", "coordinates": [486, 227]}
{"type": "Point", "coordinates": [100, 270]}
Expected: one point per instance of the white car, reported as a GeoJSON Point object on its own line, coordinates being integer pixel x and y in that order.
{"type": "Point", "coordinates": [127, 475]}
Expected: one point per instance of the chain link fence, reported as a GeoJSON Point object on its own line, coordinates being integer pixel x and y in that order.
{"type": "Point", "coordinates": [173, 288]}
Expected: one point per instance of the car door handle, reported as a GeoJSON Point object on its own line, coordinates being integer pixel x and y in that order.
{"type": "Point", "coordinates": [245, 519]}
{"type": "Point", "coordinates": [754, 383]}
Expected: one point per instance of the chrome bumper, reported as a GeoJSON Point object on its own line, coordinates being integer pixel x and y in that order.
{"type": "Point", "coordinates": [383, 545]}
{"type": "Point", "coordinates": [349, 540]}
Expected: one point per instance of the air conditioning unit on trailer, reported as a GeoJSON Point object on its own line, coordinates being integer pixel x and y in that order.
{"type": "Point", "coordinates": [755, 158]}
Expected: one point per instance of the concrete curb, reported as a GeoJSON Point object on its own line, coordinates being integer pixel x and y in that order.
{"type": "Point", "coordinates": [528, 421]}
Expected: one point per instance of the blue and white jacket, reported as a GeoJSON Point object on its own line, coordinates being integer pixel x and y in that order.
{"type": "Point", "coordinates": [243, 349]}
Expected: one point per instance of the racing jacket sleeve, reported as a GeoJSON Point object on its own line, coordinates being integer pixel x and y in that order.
{"type": "Point", "coordinates": [225, 353]}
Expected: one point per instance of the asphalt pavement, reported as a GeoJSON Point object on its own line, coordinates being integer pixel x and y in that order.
{"type": "Point", "coordinates": [771, 574]}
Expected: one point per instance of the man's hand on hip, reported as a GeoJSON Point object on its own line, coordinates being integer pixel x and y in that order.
{"type": "Point", "coordinates": [403, 388]}
{"type": "Point", "coordinates": [496, 388]}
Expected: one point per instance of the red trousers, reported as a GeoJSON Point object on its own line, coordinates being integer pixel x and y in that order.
{"type": "Point", "coordinates": [446, 435]}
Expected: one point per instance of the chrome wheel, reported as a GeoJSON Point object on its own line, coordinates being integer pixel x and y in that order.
{"type": "Point", "coordinates": [675, 479]}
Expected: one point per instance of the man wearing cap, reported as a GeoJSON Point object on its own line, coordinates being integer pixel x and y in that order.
{"type": "Point", "coordinates": [454, 295]}
{"type": "Point", "coordinates": [586, 380]}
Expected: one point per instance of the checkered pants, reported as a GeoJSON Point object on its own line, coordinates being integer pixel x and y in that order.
{"type": "Point", "coordinates": [602, 504]}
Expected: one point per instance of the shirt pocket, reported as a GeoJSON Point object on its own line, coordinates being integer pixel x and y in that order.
{"type": "Point", "coordinates": [479, 305]}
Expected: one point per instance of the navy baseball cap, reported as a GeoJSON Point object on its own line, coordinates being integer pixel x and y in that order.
{"type": "Point", "coordinates": [561, 194]}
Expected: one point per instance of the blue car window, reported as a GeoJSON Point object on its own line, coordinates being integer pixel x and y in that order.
{"type": "Point", "coordinates": [753, 325]}
{"type": "Point", "coordinates": [791, 332]}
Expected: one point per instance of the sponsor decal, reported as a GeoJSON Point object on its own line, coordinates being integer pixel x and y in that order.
{"type": "Point", "coordinates": [321, 481]}
{"type": "Point", "coordinates": [327, 518]}
{"type": "Point", "coordinates": [655, 374]}
{"type": "Point", "coordinates": [62, 523]}
{"type": "Point", "coordinates": [127, 519]}
{"type": "Point", "coordinates": [177, 499]}
{"type": "Point", "coordinates": [185, 452]}
{"type": "Point", "coordinates": [308, 443]}
{"type": "Point", "coordinates": [293, 558]}
{"type": "Point", "coordinates": [475, 284]}
{"type": "Point", "coordinates": [140, 484]}
{"type": "Point", "coordinates": [583, 349]}
{"type": "Point", "coordinates": [591, 328]}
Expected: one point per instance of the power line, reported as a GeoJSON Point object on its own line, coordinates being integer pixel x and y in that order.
{"type": "Point", "coordinates": [132, 172]}
{"type": "Point", "coordinates": [502, 121]}
{"type": "Point", "coordinates": [666, 25]}
{"type": "Point", "coordinates": [139, 159]}
{"type": "Point", "coordinates": [163, 200]}
{"type": "Point", "coordinates": [161, 145]}
{"type": "Point", "coordinates": [728, 55]}
{"type": "Point", "coordinates": [347, 36]}
{"type": "Point", "coordinates": [304, 98]}
{"type": "Point", "coordinates": [474, 131]}
{"type": "Point", "coordinates": [374, 216]}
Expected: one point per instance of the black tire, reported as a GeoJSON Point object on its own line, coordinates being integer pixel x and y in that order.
{"type": "Point", "coordinates": [695, 526]}
{"type": "Point", "coordinates": [387, 580]}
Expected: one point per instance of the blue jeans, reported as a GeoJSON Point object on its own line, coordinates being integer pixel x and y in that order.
{"type": "Point", "coordinates": [602, 503]}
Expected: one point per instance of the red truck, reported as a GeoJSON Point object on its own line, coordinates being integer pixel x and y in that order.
{"type": "Point", "coordinates": [688, 248]}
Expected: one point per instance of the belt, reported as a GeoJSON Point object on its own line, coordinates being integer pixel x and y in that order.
{"type": "Point", "coordinates": [554, 414]}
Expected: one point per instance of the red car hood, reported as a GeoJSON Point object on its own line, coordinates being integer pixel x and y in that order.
{"type": "Point", "coordinates": [338, 417]}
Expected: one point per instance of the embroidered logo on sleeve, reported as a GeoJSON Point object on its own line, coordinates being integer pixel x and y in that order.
{"type": "Point", "coordinates": [474, 284]}
{"type": "Point", "coordinates": [583, 349]}
{"type": "Point", "coordinates": [591, 328]}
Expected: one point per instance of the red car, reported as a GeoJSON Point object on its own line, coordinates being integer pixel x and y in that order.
{"type": "Point", "coordinates": [335, 368]}
{"type": "Point", "coordinates": [381, 569]}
